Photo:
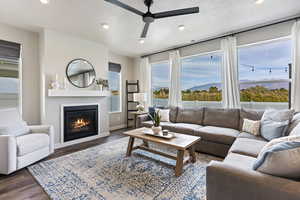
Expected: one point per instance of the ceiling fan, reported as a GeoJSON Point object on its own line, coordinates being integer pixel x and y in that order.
{"type": "Point", "coordinates": [149, 17]}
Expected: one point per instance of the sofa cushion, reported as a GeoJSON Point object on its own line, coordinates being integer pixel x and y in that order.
{"type": "Point", "coordinates": [186, 128]}
{"type": "Point", "coordinates": [250, 136]}
{"type": "Point", "coordinates": [173, 114]}
{"type": "Point", "coordinates": [217, 134]}
{"type": "Point", "coordinates": [31, 142]}
{"type": "Point", "coordinates": [248, 147]}
{"type": "Point", "coordinates": [191, 115]}
{"type": "Point", "coordinates": [240, 161]}
{"type": "Point", "coordinates": [227, 118]}
{"type": "Point", "coordinates": [250, 114]}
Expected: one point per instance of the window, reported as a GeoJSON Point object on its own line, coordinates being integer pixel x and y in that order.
{"type": "Point", "coordinates": [10, 84]}
{"type": "Point", "coordinates": [201, 80]}
{"type": "Point", "coordinates": [160, 83]}
{"type": "Point", "coordinates": [114, 81]}
{"type": "Point", "coordinates": [264, 74]}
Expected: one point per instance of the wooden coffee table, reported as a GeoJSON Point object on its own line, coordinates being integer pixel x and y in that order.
{"type": "Point", "coordinates": [180, 142]}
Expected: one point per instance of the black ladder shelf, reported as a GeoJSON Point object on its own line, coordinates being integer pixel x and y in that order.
{"type": "Point", "coordinates": [131, 88]}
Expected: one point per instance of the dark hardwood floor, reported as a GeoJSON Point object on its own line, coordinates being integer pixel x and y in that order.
{"type": "Point", "coordinates": [21, 185]}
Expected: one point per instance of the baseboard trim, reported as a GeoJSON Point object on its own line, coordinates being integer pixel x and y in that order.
{"type": "Point", "coordinates": [61, 145]}
{"type": "Point", "coordinates": [113, 128]}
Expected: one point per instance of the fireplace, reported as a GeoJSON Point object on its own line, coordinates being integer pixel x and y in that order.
{"type": "Point", "coordinates": [80, 122]}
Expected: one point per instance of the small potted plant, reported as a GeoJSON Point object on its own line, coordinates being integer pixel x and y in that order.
{"type": "Point", "coordinates": [156, 128]}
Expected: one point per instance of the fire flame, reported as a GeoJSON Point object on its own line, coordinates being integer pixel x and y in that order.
{"type": "Point", "coordinates": [80, 123]}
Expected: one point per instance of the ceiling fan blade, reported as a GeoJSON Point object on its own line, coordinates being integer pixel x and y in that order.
{"type": "Point", "coordinates": [145, 30]}
{"type": "Point", "coordinates": [125, 6]}
{"type": "Point", "coordinates": [173, 13]}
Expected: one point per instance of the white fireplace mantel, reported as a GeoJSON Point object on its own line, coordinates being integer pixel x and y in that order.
{"type": "Point", "coordinates": [78, 93]}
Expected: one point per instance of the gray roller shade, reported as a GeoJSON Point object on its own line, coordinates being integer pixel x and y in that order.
{"type": "Point", "coordinates": [114, 67]}
{"type": "Point", "coordinates": [9, 50]}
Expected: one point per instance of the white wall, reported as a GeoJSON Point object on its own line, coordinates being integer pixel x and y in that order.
{"type": "Point", "coordinates": [118, 120]}
{"type": "Point", "coordinates": [30, 72]}
{"type": "Point", "coordinates": [57, 49]}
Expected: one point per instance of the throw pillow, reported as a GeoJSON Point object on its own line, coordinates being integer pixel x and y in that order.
{"type": "Point", "coordinates": [14, 129]}
{"type": "Point", "coordinates": [11, 123]}
{"type": "Point", "coordinates": [280, 157]}
{"type": "Point", "coordinates": [274, 123]}
{"type": "Point", "coordinates": [252, 127]}
{"type": "Point", "coordinates": [296, 131]}
{"type": "Point", "coordinates": [295, 121]}
{"type": "Point", "coordinates": [164, 114]}
{"type": "Point", "coordinates": [152, 109]}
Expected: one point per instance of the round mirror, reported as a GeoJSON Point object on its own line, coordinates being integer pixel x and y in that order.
{"type": "Point", "coordinates": [81, 73]}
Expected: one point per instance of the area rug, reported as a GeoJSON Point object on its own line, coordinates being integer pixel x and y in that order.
{"type": "Point", "coordinates": [104, 173]}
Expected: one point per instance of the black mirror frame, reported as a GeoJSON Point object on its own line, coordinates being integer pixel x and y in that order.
{"type": "Point", "coordinates": [84, 61]}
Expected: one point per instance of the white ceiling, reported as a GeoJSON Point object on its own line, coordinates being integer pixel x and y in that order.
{"type": "Point", "coordinates": [84, 17]}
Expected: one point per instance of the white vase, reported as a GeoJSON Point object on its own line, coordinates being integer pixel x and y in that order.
{"type": "Point", "coordinates": [156, 129]}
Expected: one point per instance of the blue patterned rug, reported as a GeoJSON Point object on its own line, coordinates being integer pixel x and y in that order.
{"type": "Point", "coordinates": [104, 173]}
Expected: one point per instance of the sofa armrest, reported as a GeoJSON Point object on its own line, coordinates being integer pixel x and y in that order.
{"type": "Point", "coordinates": [44, 129]}
{"type": "Point", "coordinates": [8, 154]}
{"type": "Point", "coordinates": [140, 119]}
{"type": "Point", "coordinates": [228, 182]}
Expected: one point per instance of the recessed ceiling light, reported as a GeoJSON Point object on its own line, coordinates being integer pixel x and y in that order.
{"type": "Point", "coordinates": [181, 27]}
{"type": "Point", "coordinates": [259, 1]}
{"type": "Point", "coordinates": [105, 26]}
{"type": "Point", "coordinates": [45, 1]}
{"type": "Point", "coordinates": [142, 41]}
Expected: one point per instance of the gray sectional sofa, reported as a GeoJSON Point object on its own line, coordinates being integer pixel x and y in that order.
{"type": "Point", "coordinates": [221, 133]}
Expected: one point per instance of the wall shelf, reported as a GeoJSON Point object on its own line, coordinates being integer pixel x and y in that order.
{"type": "Point", "coordinates": [78, 93]}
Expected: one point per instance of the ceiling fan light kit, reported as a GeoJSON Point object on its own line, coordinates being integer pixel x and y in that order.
{"type": "Point", "coordinates": [149, 17]}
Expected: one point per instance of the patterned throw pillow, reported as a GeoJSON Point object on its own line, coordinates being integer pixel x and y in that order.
{"type": "Point", "coordinates": [164, 114]}
{"type": "Point", "coordinates": [280, 157]}
{"type": "Point", "coordinates": [252, 127]}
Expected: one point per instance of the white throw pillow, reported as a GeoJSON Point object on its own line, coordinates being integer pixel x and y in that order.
{"type": "Point", "coordinates": [275, 123]}
{"type": "Point", "coordinates": [11, 123]}
{"type": "Point", "coordinates": [252, 127]}
{"type": "Point", "coordinates": [15, 129]}
{"type": "Point", "coordinates": [280, 157]}
{"type": "Point", "coordinates": [295, 131]}
{"type": "Point", "coordinates": [164, 114]}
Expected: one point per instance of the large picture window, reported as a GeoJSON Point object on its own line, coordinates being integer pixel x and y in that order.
{"type": "Point", "coordinates": [114, 81]}
{"type": "Point", "coordinates": [201, 80]}
{"type": "Point", "coordinates": [264, 74]}
{"type": "Point", "coordinates": [160, 83]}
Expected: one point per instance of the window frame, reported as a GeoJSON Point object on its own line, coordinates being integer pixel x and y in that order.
{"type": "Point", "coordinates": [154, 63]}
{"type": "Point", "coordinates": [120, 96]}
{"type": "Point", "coordinates": [284, 38]}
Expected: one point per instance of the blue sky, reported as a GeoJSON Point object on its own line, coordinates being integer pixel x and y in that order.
{"type": "Point", "coordinates": [200, 70]}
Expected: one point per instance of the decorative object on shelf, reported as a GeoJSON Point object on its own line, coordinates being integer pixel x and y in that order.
{"type": "Point", "coordinates": [81, 73]}
{"type": "Point", "coordinates": [65, 85]}
{"type": "Point", "coordinates": [55, 84]}
{"type": "Point", "coordinates": [102, 84]}
{"type": "Point", "coordinates": [156, 128]}
{"type": "Point", "coordinates": [140, 98]}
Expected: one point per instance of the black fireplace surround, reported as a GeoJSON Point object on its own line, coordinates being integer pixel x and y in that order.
{"type": "Point", "coordinates": [80, 122]}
